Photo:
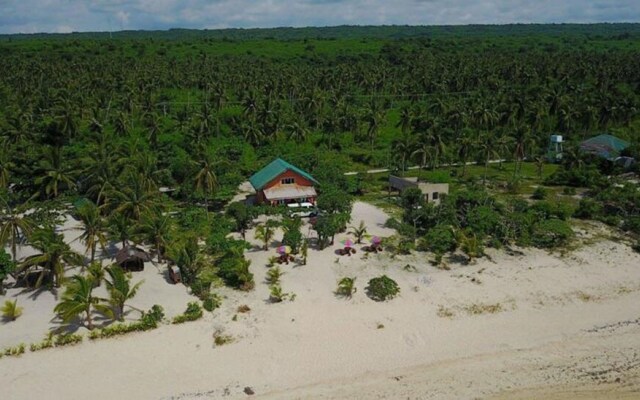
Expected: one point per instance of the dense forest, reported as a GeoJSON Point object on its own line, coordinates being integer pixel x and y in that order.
{"type": "Point", "coordinates": [97, 117]}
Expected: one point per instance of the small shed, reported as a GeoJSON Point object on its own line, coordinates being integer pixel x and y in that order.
{"type": "Point", "coordinates": [605, 146]}
{"type": "Point", "coordinates": [432, 192]}
{"type": "Point", "coordinates": [132, 258]}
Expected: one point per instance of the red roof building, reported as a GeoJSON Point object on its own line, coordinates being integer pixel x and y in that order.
{"type": "Point", "coordinates": [282, 183]}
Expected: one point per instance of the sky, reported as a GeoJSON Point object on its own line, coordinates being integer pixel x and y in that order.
{"type": "Point", "coordinates": [61, 16]}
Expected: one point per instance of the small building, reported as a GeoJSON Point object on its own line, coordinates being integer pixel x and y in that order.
{"type": "Point", "coordinates": [282, 183]}
{"type": "Point", "coordinates": [432, 192]}
{"type": "Point", "coordinates": [605, 146]}
{"type": "Point", "coordinates": [131, 258]}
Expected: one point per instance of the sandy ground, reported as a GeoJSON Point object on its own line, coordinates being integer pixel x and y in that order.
{"type": "Point", "coordinates": [527, 325]}
{"type": "Point", "coordinates": [38, 317]}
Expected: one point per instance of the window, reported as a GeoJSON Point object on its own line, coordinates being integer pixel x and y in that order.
{"type": "Point", "coordinates": [288, 181]}
{"type": "Point", "coordinates": [435, 196]}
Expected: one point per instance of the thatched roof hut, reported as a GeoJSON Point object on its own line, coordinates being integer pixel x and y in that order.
{"type": "Point", "coordinates": [132, 258]}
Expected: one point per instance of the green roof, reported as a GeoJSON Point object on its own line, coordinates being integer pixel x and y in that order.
{"type": "Point", "coordinates": [606, 146]}
{"type": "Point", "coordinates": [271, 171]}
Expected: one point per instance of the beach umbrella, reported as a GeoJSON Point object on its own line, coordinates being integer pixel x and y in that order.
{"type": "Point", "coordinates": [376, 240]}
{"type": "Point", "coordinates": [347, 243]}
{"type": "Point", "coordinates": [284, 250]}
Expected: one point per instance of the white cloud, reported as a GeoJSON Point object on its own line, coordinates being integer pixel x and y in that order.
{"type": "Point", "coordinates": [98, 15]}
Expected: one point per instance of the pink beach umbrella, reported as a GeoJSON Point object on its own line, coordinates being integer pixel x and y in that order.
{"type": "Point", "coordinates": [284, 250]}
{"type": "Point", "coordinates": [376, 240]}
{"type": "Point", "coordinates": [347, 243]}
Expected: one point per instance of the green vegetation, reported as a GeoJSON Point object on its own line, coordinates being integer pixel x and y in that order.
{"type": "Point", "coordinates": [346, 287]}
{"type": "Point", "coordinates": [277, 295]}
{"type": "Point", "coordinates": [120, 290]}
{"type": "Point", "coordinates": [144, 138]}
{"type": "Point", "coordinates": [11, 310]}
{"type": "Point", "coordinates": [382, 288]}
{"type": "Point", "coordinates": [439, 240]}
{"type": "Point", "coordinates": [192, 313]}
{"type": "Point", "coordinates": [359, 232]}
{"type": "Point", "coordinates": [7, 266]}
{"type": "Point", "coordinates": [273, 275]}
{"type": "Point", "coordinates": [148, 320]}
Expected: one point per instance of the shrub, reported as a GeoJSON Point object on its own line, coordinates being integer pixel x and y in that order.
{"type": "Point", "coordinates": [234, 270]}
{"type": "Point", "coordinates": [551, 233]}
{"type": "Point", "coordinates": [346, 287]}
{"type": "Point", "coordinates": [539, 194]}
{"type": "Point", "coordinates": [14, 351]}
{"type": "Point", "coordinates": [588, 209]}
{"type": "Point", "coordinates": [547, 210]}
{"type": "Point", "coordinates": [632, 224]}
{"type": "Point", "coordinates": [10, 310]}
{"type": "Point", "coordinates": [67, 339]}
{"type": "Point", "coordinates": [483, 220]}
{"type": "Point", "coordinates": [277, 295]}
{"type": "Point", "coordinates": [292, 236]}
{"type": "Point", "coordinates": [382, 288]}
{"type": "Point", "coordinates": [439, 240]}
{"type": "Point", "coordinates": [211, 302]}
{"type": "Point", "coordinates": [192, 313]}
{"type": "Point", "coordinates": [569, 191]}
{"type": "Point", "coordinates": [46, 343]}
{"type": "Point", "coordinates": [7, 266]}
{"type": "Point", "coordinates": [150, 319]}
{"type": "Point", "coordinates": [273, 275]}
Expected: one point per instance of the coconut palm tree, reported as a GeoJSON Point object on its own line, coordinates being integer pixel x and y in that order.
{"type": "Point", "coordinates": [423, 152]}
{"type": "Point", "coordinates": [155, 229]}
{"type": "Point", "coordinates": [297, 131]}
{"type": "Point", "coordinates": [54, 254]}
{"type": "Point", "coordinates": [359, 232]}
{"type": "Point", "coordinates": [54, 174]}
{"type": "Point", "coordinates": [92, 228]}
{"type": "Point", "coordinates": [120, 228]}
{"type": "Point", "coordinates": [487, 151]}
{"type": "Point", "coordinates": [403, 148]}
{"type": "Point", "coordinates": [14, 226]}
{"type": "Point", "coordinates": [206, 179]}
{"type": "Point", "coordinates": [466, 144]}
{"type": "Point", "coordinates": [78, 300]}
{"type": "Point", "coordinates": [134, 199]}
{"type": "Point", "coordinates": [6, 165]}
{"type": "Point", "coordinates": [120, 290]}
{"type": "Point", "coordinates": [265, 232]}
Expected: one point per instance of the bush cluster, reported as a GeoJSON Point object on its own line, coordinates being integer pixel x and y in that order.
{"type": "Point", "coordinates": [148, 321]}
{"type": "Point", "coordinates": [382, 288]}
{"type": "Point", "coordinates": [472, 219]}
{"type": "Point", "coordinates": [67, 339]}
{"type": "Point", "coordinates": [615, 204]}
{"type": "Point", "coordinates": [192, 313]}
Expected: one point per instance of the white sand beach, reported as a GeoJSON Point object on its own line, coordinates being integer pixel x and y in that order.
{"type": "Point", "coordinates": [522, 326]}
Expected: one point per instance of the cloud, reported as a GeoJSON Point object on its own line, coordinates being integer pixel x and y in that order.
{"type": "Point", "coordinates": [101, 15]}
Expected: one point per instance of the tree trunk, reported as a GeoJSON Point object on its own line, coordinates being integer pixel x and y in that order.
{"type": "Point", "coordinates": [486, 168]}
{"type": "Point", "coordinates": [89, 321]}
{"type": "Point", "coordinates": [13, 248]}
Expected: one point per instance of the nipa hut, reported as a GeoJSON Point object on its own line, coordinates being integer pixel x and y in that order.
{"type": "Point", "coordinates": [132, 258]}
